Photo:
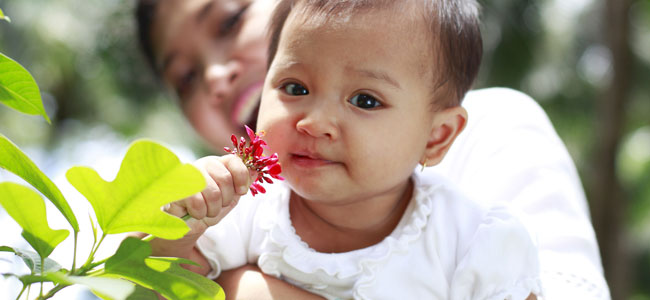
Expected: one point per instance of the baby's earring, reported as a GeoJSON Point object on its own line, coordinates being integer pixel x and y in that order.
{"type": "Point", "coordinates": [424, 165]}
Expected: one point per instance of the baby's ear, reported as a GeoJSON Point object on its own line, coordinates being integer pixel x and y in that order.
{"type": "Point", "coordinates": [447, 125]}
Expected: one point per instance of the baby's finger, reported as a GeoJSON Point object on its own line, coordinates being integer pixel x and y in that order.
{"type": "Point", "coordinates": [212, 194]}
{"type": "Point", "coordinates": [241, 178]}
{"type": "Point", "coordinates": [195, 206]}
{"type": "Point", "coordinates": [223, 180]}
{"type": "Point", "coordinates": [176, 208]}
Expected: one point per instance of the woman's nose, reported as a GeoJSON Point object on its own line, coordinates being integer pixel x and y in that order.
{"type": "Point", "coordinates": [319, 121]}
{"type": "Point", "coordinates": [220, 80]}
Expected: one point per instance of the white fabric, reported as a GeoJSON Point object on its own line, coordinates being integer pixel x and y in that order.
{"type": "Point", "coordinates": [510, 152]}
{"type": "Point", "coordinates": [445, 247]}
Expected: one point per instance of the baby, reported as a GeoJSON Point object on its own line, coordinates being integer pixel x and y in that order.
{"type": "Point", "coordinates": [358, 93]}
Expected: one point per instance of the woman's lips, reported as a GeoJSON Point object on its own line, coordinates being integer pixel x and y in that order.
{"type": "Point", "coordinates": [245, 110]}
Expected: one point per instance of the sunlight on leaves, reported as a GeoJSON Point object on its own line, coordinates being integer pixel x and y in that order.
{"type": "Point", "coordinates": [150, 176]}
{"type": "Point", "coordinates": [18, 89]}
{"type": "Point", "coordinates": [163, 274]}
{"type": "Point", "coordinates": [33, 260]}
{"type": "Point", "coordinates": [142, 293]}
{"type": "Point", "coordinates": [104, 287]}
{"type": "Point", "coordinates": [27, 208]}
{"type": "Point", "coordinates": [14, 160]}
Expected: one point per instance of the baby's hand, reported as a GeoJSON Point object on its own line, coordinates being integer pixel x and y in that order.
{"type": "Point", "coordinates": [227, 180]}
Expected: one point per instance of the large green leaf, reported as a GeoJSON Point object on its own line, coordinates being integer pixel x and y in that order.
{"type": "Point", "coordinates": [102, 286]}
{"type": "Point", "coordinates": [164, 275]}
{"type": "Point", "coordinates": [3, 17]}
{"type": "Point", "coordinates": [28, 209]}
{"type": "Point", "coordinates": [15, 161]}
{"type": "Point", "coordinates": [33, 260]}
{"type": "Point", "coordinates": [150, 176]}
{"type": "Point", "coordinates": [18, 89]}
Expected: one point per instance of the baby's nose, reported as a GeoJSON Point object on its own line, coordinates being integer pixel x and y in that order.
{"type": "Point", "coordinates": [320, 122]}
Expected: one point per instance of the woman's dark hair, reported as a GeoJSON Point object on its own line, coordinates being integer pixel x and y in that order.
{"type": "Point", "coordinates": [145, 13]}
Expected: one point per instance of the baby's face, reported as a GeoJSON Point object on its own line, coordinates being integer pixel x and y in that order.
{"type": "Point", "coordinates": [347, 105]}
{"type": "Point", "coordinates": [212, 53]}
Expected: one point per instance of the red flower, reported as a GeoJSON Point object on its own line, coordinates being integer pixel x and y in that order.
{"type": "Point", "coordinates": [253, 157]}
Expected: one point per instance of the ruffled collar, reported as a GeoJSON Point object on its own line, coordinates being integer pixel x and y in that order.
{"type": "Point", "coordinates": [288, 246]}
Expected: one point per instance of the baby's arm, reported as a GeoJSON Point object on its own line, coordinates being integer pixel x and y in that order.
{"type": "Point", "coordinates": [257, 285]}
{"type": "Point", "coordinates": [227, 180]}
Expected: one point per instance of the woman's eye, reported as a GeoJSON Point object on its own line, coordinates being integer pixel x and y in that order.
{"type": "Point", "coordinates": [294, 89]}
{"type": "Point", "coordinates": [185, 82]}
{"type": "Point", "coordinates": [231, 22]}
{"type": "Point", "coordinates": [364, 101]}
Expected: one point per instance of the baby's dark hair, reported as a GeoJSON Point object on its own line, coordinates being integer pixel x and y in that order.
{"type": "Point", "coordinates": [454, 32]}
{"type": "Point", "coordinates": [145, 14]}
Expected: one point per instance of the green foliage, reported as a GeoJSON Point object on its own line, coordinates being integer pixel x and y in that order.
{"type": "Point", "coordinates": [28, 209]}
{"type": "Point", "coordinates": [102, 286]}
{"type": "Point", "coordinates": [3, 17]}
{"type": "Point", "coordinates": [14, 160]}
{"type": "Point", "coordinates": [18, 89]}
{"type": "Point", "coordinates": [163, 275]}
{"type": "Point", "coordinates": [33, 260]}
{"type": "Point", "coordinates": [150, 177]}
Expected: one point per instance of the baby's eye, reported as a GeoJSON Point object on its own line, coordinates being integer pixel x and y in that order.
{"type": "Point", "coordinates": [231, 22]}
{"type": "Point", "coordinates": [365, 101]}
{"type": "Point", "coordinates": [294, 89]}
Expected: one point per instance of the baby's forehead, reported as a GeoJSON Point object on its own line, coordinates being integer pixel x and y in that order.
{"type": "Point", "coordinates": [403, 16]}
{"type": "Point", "coordinates": [341, 12]}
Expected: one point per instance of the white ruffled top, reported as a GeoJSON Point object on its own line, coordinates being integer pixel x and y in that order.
{"type": "Point", "coordinates": [444, 247]}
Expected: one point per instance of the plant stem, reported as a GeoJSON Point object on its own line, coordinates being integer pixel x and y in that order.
{"type": "Point", "coordinates": [74, 255]}
{"type": "Point", "coordinates": [53, 291]}
{"type": "Point", "coordinates": [98, 244]}
{"type": "Point", "coordinates": [91, 256]}
{"type": "Point", "coordinates": [21, 291]}
{"type": "Point", "coordinates": [42, 273]}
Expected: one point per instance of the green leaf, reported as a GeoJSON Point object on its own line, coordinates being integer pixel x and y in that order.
{"type": "Point", "coordinates": [142, 293]}
{"type": "Point", "coordinates": [14, 160]}
{"type": "Point", "coordinates": [18, 89]}
{"type": "Point", "coordinates": [150, 176]}
{"type": "Point", "coordinates": [164, 275]}
{"type": "Point", "coordinates": [28, 209]}
{"type": "Point", "coordinates": [33, 260]}
{"type": "Point", "coordinates": [28, 278]}
{"type": "Point", "coordinates": [102, 286]}
{"type": "Point", "coordinates": [3, 17]}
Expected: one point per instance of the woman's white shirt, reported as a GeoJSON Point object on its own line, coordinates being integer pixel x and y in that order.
{"type": "Point", "coordinates": [510, 154]}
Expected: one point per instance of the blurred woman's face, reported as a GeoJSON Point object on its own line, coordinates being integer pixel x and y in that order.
{"type": "Point", "coordinates": [212, 53]}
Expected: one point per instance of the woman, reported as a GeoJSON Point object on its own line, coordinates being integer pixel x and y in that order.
{"type": "Point", "coordinates": [212, 53]}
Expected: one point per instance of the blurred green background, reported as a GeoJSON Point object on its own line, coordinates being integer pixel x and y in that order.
{"type": "Point", "coordinates": [587, 62]}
